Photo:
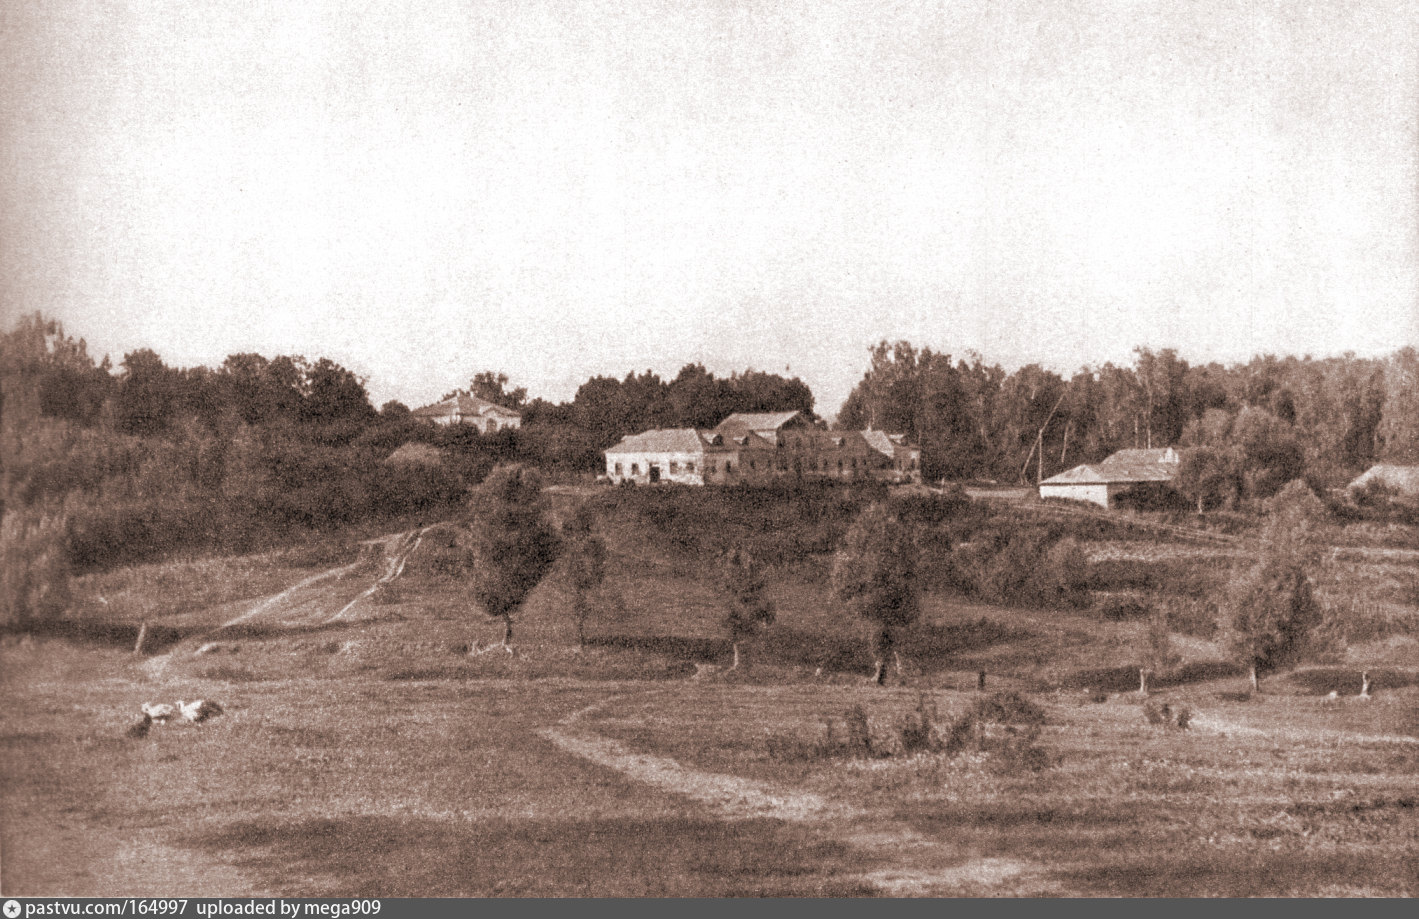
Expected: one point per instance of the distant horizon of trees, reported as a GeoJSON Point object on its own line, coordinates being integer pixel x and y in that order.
{"type": "Point", "coordinates": [1263, 422]}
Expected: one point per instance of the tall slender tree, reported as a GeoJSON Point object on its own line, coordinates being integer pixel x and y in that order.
{"type": "Point", "coordinates": [512, 545]}
{"type": "Point", "coordinates": [748, 610]}
{"type": "Point", "coordinates": [585, 554]}
{"type": "Point", "coordinates": [874, 575]}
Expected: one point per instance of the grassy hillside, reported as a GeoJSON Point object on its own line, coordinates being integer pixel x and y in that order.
{"type": "Point", "coordinates": [366, 751]}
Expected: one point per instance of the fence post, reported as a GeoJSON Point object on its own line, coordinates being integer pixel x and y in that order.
{"type": "Point", "coordinates": [142, 636]}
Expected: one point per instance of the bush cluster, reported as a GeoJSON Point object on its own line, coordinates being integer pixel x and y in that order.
{"type": "Point", "coordinates": [1027, 566]}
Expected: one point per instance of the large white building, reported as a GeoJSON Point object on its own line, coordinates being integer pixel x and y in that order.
{"type": "Point", "coordinates": [755, 447]}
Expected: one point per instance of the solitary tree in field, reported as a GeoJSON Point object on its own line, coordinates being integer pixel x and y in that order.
{"type": "Point", "coordinates": [512, 547]}
{"type": "Point", "coordinates": [586, 566]}
{"type": "Point", "coordinates": [1270, 613]}
{"type": "Point", "coordinates": [1158, 653]}
{"type": "Point", "coordinates": [874, 575]}
{"type": "Point", "coordinates": [748, 611]}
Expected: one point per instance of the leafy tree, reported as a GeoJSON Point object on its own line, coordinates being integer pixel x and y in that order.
{"type": "Point", "coordinates": [748, 610]}
{"type": "Point", "coordinates": [43, 371]}
{"type": "Point", "coordinates": [874, 575]}
{"type": "Point", "coordinates": [1399, 422]}
{"type": "Point", "coordinates": [1209, 475]}
{"type": "Point", "coordinates": [492, 387]}
{"type": "Point", "coordinates": [147, 393]}
{"type": "Point", "coordinates": [394, 410]}
{"type": "Point", "coordinates": [1157, 647]}
{"type": "Point", "coordinates": [1162, 375]}
{"type": "Point", "coordinates": [512, 547]}
{"type": "Point", "coordinates": [333, 393]}
{"type": "Point", "coordinates": [1272, 453]}
{"type": "Point", "coordinates": [586, 566]}
{"type": "Point", "coordinates": [1270, 614]}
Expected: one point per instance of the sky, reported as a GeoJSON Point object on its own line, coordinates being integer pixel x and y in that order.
{"type": "Point", "coordinates": [426, 189]}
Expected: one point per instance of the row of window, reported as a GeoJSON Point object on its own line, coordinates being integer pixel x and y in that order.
{"type": "Point", "coordinates": [713, 467]}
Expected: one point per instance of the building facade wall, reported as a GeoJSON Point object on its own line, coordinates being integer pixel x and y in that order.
{"type": "Point", "coordinates": [798, 454]}
{"type": "Point", "coordinates": [484, 423]}
{"type": "Point", "coordinates": [684, 468]}
{"type": "Point", "coordinates": [1096, 492]}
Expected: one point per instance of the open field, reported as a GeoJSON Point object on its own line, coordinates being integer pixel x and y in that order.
{"type": "Point", "coordinates": [364, 751]}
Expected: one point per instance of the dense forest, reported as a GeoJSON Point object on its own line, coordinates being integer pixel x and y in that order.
{"type": "Point", "coordinates": [108, 465]}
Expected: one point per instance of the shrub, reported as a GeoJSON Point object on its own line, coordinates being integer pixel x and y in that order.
{"type": "Point", "coordinates": [1023, 565]}
{"type": "Point", "coordinates": [855, 741]}
{"type": "Point", "coordinates": [1005, 725]}
{"type": "Point", "coordinates": [1164, 715]}
{"type": "Point", "coordinates": [1157, 712]}
{"type": "Point", "coordinates": [34, 570]}
{"type": "Point", "coordinates": [1123, 609]}
{"type": "Point", "coordinates": [1190, 616]}
{"type": "Point", "coordinates": [917, 729]}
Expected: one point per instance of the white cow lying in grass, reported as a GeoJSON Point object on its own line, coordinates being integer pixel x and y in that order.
{"type": "Point", "coordinates": [198, 710]}
{"type": "Point", "coordinates": [160, 712]}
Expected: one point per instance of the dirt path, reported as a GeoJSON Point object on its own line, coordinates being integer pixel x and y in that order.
{"type": "Point", "coordinates": [283, 607]}
{"type": "Point", "coordinates": [922, 866]}
{"type": "Point", "coordinates": [1293, 734]}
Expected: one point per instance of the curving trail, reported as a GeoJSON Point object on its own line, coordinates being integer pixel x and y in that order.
{"type": "Point", "coordinates": [395, 549]}
{"type": "Point", "coordinates": [730, 796]}
{"type": "Point", "coordinates": [922, 866]}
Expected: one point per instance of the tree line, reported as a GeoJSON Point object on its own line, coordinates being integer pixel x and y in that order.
{"type": "Point", "coordinates": [1264, 422]}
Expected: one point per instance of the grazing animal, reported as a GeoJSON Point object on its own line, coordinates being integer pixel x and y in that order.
{"type": "Point", "coordinates": [198, 710]}
{"type": "Point", "coordinates": [140, 729]}
{"type": "Point", "coordinates": [160, 712]}
{"type": "Point", "coordinates": [1333, 698]}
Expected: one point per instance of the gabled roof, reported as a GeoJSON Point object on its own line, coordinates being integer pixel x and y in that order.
{"type": "Point", "coordinates": [465, 405]}
{"type": "Point", "coordinates": [1159, 465]}
{"type": "Point", "coordinates": [879, 441]}
{"type": "Point", "coordinates": [757, 421]}
{"type": "Point", "coordinates": [667, 440]}
{"type": "Point", "coordinates": [1404, 479]}
{"type": "Point", "coordinates": [685, 440]}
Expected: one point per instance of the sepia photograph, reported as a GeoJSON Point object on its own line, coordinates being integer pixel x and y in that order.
{"type": "Point", "coordinates": [708, 449]}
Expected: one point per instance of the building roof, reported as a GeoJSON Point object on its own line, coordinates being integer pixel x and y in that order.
{"type": "Point", "coordinates": [464, 404]}
{"type": "Point", "coordinates": [1122, 467]}
{"type": "Point", "coordinates": [686, 440]}
{"type": "Point", "coordinates": [880, 441]}
{"type": "Point", "coordinates": [886, 443]}
{"type": "Point", "coordinates": [1404, 479]}
{"type": "Point", "coordinates": [757, 421]}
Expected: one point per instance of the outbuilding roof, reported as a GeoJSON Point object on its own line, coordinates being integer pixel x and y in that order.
{"type": "Point", "coordinates": [1159, 465]}
{"type": "Point", "coordinates": [1404, 479]}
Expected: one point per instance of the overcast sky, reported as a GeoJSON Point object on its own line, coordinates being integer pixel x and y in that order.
{"type": "Point", "coordinates": [422, 190]}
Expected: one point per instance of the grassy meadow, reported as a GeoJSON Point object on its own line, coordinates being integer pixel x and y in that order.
{"type": "Point", "coordinates": [364, 751]}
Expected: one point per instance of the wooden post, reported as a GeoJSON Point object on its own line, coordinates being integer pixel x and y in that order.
{"type": "Point", "coordinates": [142, 636]}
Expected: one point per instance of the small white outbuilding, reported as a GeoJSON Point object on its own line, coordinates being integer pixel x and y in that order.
{"type": "Point", "coordinates": [1124, 471]}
